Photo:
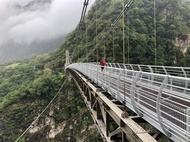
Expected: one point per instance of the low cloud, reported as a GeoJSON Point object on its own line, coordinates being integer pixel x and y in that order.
{"type": "Point", "coordinates": [29, 26]}
{"type": "Point", "coordinates": [26, 21]}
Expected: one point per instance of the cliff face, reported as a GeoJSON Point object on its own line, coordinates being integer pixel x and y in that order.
{"type": "Point", "coordinates": [54, 128]}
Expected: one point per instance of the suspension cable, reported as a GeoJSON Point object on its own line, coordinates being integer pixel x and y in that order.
{"type": "Point", "coordinates": [105, 50]}
{"type": "Point", "coordinates": [113, 46]}
{"type": "Point", "coordinates": [86, 44]}
{"type": "Point", "coordinates": [155, 36]}
{"type": "Point", "coordinates": [123, 15]}
{"type": "Point", "coordinates": [128, 44]}
{"type": "Point", "coordinates": [41, 112]}
{"type": "Point", "coordinates": [96, 36]}
{"type": "Point", "coordinates": [126, 7]}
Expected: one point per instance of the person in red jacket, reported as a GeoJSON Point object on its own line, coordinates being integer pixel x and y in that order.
{"type": "Point", "coordinates": [102, 63]}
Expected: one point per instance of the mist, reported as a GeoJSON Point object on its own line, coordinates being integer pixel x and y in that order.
{"type": "Point", "coordinates": [27, 26]}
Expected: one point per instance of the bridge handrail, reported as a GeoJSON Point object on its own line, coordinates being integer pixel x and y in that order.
{"type": "Point", "coordinates": [169, 70]}
{"type": "Point", "coordinates": [161, 99]}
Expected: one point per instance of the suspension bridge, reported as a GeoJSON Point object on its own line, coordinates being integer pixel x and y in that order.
{"type": "Point", "coordinates": [130, 102]}
{"type": "Point", "coordinates": [124, 99]}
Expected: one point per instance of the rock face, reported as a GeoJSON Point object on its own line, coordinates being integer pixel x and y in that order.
{"type": "Point", "coordinates": [54, 130]}
{"type": "Point", "coordinates": [48, 121]}
{"type": "Point", "coordinates": [184, 44]}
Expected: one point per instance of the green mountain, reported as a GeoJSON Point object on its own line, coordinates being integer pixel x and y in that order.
{"type": "Point", "coordinates": [27, 86]}
{"type": "Point", "coordinates": [171, 26]}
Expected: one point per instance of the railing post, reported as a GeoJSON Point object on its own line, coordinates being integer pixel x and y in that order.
{"type": "Point", "coordinates": [132, 93]}
{"type": "Point", "coordinates": [93, 73]}
{"type": "Point", "coordinates": [109, 84]}
{"type": "Point", "coordinates": [119, 65]}
{"type": "Point", "coordinates": [139, 68]}
{"type": "Point", "coordinates": [88, 70]}
{"type": "Point", "coordinates": [124, 66]}
{"type": "Point", "coordinates": [117, 84]}
{"type": "Point", "coordinates": [158, 106]}
{"type": "Point", "coordinates": [186, 82]}
{"type": "Point", "coordinates": [165, 70]}
{"type": "Point", "coordinates": [152, 76]}
{"type": "Point", "coordinates": [188, 125]}
{"type": "Point", "coordinates": [132, 69]}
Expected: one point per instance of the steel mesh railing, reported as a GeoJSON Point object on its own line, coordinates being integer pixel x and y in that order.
{"type": "Point", "coordinates": [161, 95]}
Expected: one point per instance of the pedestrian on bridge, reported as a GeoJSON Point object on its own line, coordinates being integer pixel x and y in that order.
{"type": "Point", "coordinates": [102, 63]}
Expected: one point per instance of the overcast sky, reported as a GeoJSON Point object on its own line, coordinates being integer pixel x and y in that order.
{"type": "Point", "coordinates": [23, 22]}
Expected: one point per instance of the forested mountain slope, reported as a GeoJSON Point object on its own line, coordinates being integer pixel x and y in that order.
{"type": "Point", "coordinates": [171, 25]}
{"type": "Point", "coordinates": [27, 86]}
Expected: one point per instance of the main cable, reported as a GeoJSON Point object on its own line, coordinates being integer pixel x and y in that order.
{"type": "Point", "coordinates": [85, 5]}
{"type": "Point", "coordinates": [86, 2]}
{"type": "Point", "coordinates": [41, 112]}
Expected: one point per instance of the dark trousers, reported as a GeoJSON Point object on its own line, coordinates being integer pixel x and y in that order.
{"type": "Point", "coordinates": [102, 68]}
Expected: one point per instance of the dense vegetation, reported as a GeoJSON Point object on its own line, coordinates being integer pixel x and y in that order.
{"type": "Point", "coordinates": [27, 86]}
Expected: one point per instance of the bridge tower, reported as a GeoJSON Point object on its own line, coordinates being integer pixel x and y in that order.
{"type": "Point", "coordinates": [67, 59]}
